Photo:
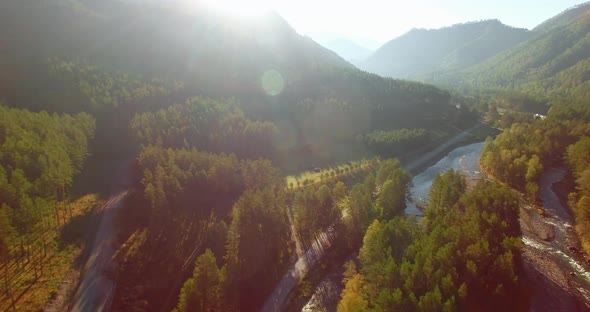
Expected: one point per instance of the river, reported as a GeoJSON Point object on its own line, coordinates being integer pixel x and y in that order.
{"type": "Point", "coordinates": [556, 277]}
{"type": "Point", "coordinates": [464, 159]}
{"type": "Point", "coordinates": [557, 272]}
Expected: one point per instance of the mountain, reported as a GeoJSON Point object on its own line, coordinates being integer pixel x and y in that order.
{"type": "Point", "coordinates": [554, 63]}
{"type": "Point", "coordinates": [205, 109]}
{"type": "Point", "coordinates": [207, 114]}
{"type": "Point", "coordinates": [563, 18]}
{"type": "Point", "coordinates": [420, 53]}
{"type": "Point", "coordinates": [349, 50]}
{"type": "Point", "coordinates": [198, 52]}
{"type": "Point", "coordinates": [156, 40]}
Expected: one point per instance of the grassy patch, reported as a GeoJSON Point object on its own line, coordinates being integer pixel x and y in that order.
{"type": "Point", "coordinates": [132, 246]}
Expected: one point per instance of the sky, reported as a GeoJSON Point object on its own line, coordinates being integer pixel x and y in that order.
{"type": "Point", "coordinates": [374, 22]}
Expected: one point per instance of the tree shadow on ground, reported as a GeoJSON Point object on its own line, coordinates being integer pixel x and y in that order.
{"type": "Point", "coordinates": [80, 232]}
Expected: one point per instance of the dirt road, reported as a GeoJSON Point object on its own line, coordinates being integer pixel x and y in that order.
{"type": "Point", "coordinates": [97, 286]}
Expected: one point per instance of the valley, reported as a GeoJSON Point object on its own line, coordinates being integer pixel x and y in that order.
{"type": "Point", "coordinates": [211, 156]}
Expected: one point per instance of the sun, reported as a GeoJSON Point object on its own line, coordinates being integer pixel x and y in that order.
{"type": "Point", "coordinates": [240, 8]}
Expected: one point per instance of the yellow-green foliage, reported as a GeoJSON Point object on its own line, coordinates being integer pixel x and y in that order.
{"type": "Point", "coordinates": [330, 173]}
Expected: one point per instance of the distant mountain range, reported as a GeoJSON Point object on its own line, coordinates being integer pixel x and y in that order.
{"type": "Point", "coordinates": [349, 50]}
{"type": "Point", "coordinates": [421, 52]}
{"type": "Point", "coordinates": [553, 59]}
{"type": "Point", "coordinates": [554, 62]}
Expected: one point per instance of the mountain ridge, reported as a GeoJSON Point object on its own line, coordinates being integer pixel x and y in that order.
{"type": "Point", "coordinates": [563, 18]}
{"type": "Point", "coordinates": [555, 63]}
{"type": "Point", "coordinates": [421, 52]}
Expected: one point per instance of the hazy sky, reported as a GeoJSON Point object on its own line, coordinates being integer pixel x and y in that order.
{"type": "Point", "coordinates": [381, 20]}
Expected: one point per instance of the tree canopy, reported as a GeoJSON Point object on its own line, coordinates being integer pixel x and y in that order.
{"type": "Point", "coordinates": [448, 266]}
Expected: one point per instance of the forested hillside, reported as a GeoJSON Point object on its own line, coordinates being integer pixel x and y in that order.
{"type": "Point", "coordinates": [467, 254]}
{"type": "Point", "coordinates": [210, 112]}
{"type": "Point", "coordinates": [214, 115]}
{"type": "Point", "coordinates": [554, 63]}
{"type": "Point", "coordinates": [519, 155]}
{"type": "Point", "coordinates": [106, 62]}
{"type": "Point", "coordinates": [40, 154]}
{"type": "Point", "coordinates": [548, 62]}
{"type": "Point", "coordinates": [563, 18]}
{"type": "Point", "coordinates": [423, 53]}
{"type": "Point", "coordinates": [193, 45]}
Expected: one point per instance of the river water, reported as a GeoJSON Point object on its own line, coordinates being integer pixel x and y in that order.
{"type": "Point", "coordinates": [463, 159]}
{"type": "Point", "coordinates": [556, 277]}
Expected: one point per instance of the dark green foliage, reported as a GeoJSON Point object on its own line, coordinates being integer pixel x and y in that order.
{"type": "Point", "coordinates": [395, 141]}
{"type": "Point", "coordinates": [76, 86]}
{"type": "Point", "coordinates": [391, 200]}
{"type": "Point", "coordinates": [172, 179]}
{"type": "Point", "coordinates": [116, 60]}
{"type": "Point", "coordinates": [257, 245]}
{"type": "Point", "coordinates": [89, 57]}
{"type": "Point", "coordinates": [185, 188]}
{"type": "Point", "coordinates": [39, 156]}
{"type": "Point", "coordinates": [204, 291]}
{"type": "Point", "coordinates": [519, 154]}
{"type": "Point", "coordinates": [554, 63]}
{"type": "Point", "coordinates": [392, 184]}
{"type": "Point", "coordinates": [465, 260]}
{"type": "Point", "coordinates": [98, 90]}
{"type": "Point", "coordinates": [578, 158]}
{"type": "Point", "coordinates": [361, 212]}
{"type": "Point", "coordinates": [578, 155]}
{"type": "Point", "coordinates": [511, 117]}
{"type": "Point", "coordinates": [207, 125]}
{"type": "Point", "coordinates": [390, 169]}
{"type": "Point", "coordinates": [582, 209]}
{"type": "Point", "coordinates": [376, 198]}
{"type": "Point", "coordinates": [315, 210]}
{"type": "Point", "coordinates": [447, 188]}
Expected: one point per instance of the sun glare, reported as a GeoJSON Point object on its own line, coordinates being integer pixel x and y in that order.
{"type": "Point", "coordinates": [240, 8]}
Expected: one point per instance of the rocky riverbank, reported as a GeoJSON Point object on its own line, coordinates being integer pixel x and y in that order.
{"type": "Point", "coordinates": [555, 272]}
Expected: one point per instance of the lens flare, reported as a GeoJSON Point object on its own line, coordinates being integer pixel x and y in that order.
{"type": "Point", "coordinates": [272, 82]}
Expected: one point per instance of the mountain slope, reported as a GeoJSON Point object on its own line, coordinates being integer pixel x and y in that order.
{"type": "Point", "coordinates": [156, 40]}
{"type": "Point", "coordinates": [554, 63]}
{"type": "Point", "coordinates": [563, 18]}
{"type": "Point", "coordinates": [194, 100]}
{"type": "Point", "coordinates": [115, 59]}
{"type": "Point", "coordinates": [420, 53]}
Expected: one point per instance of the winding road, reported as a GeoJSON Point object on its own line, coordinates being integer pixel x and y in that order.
{"type": "Point", "coordinates": [97, 286]}
{"type": "Point", "coordinates": [96, 289]}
